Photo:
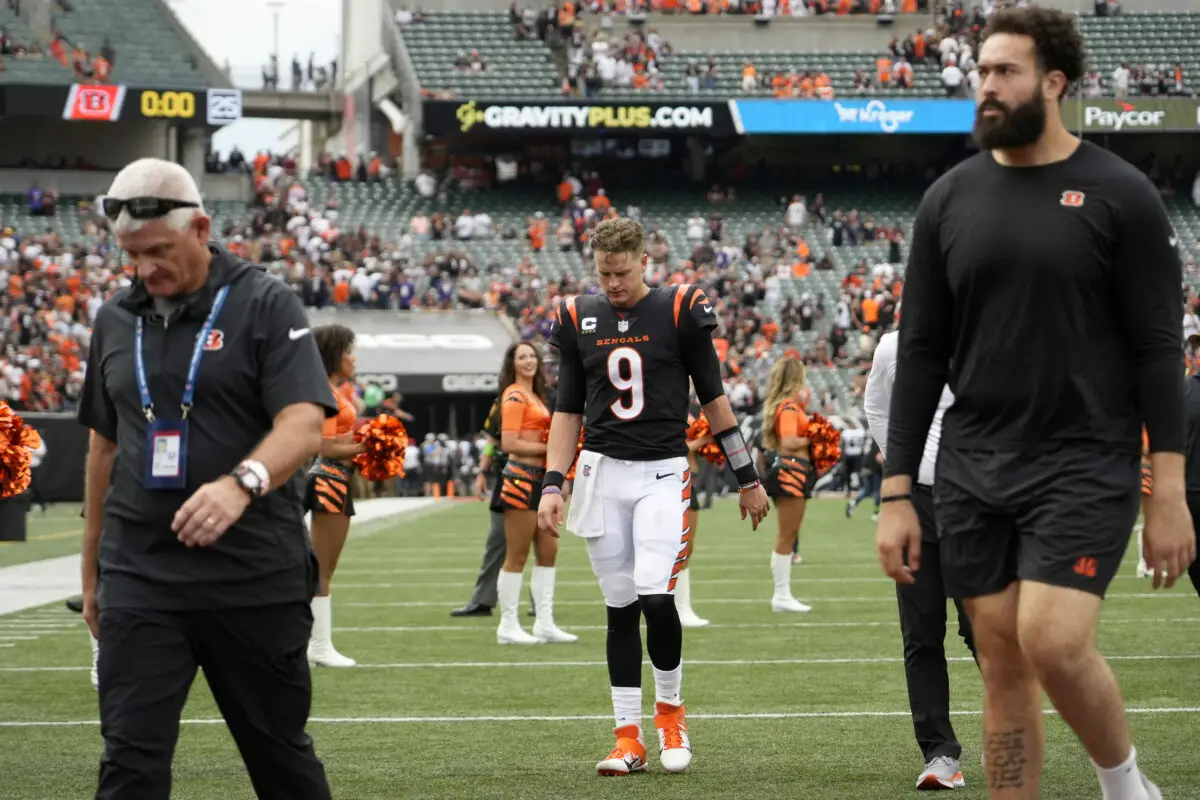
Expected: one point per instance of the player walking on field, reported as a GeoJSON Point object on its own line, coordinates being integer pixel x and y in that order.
{"type": "Point", "coordinates": [625, 362]}
{"type": "Point", "coordinates": [1040, 245]}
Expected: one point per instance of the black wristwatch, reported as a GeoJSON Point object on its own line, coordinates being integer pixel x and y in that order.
{"type": "Point", "coordinates": [252, 476]}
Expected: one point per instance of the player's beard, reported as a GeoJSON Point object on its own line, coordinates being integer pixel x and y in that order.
{"type": "Point", "coordinates": [1018, 126]}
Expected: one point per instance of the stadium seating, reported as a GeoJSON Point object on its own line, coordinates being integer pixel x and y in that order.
{"type": "Point", "coordinates": [149, 49]}
{"type": "Point", "coordinates": [514, 68]}
{"type": "Point", "coordinates": [1157, 40]}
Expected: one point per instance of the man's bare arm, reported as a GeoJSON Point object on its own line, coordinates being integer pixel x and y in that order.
{"type": "Point", "coordinates": [295, 437]}
{"type": "Point", "coordinates": [564, 440]}
{"type": "Point", "coordinates": [102, 453]}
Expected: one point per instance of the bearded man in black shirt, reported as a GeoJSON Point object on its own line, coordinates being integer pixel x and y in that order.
{"type": "Point", "coordinates": [1043, 286]}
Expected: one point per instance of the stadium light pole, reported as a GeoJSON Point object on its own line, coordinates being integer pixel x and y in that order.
{"type": "Point", "coordinates": [276, 6]}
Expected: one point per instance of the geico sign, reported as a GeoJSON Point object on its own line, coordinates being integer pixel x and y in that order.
{"type": "Point", "coordinates": [421, 341]}
{"type": "Point", "coordinates": [602, 117]}
{"type": "Point", "coordinates": [1130, 117]}
{"type": "Point", "coordinates": [469, 383]}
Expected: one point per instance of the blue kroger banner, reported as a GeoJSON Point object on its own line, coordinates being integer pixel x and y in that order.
{"type": "Point", "coordinates": [862, 116]}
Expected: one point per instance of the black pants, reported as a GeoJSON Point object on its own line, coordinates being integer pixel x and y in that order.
{"type": "Point", "coordinates": [923, 626]}
{"type": "Point", "coordinates": [1193, 501]}
{"type": "Point", "coordinates": [256, 664]}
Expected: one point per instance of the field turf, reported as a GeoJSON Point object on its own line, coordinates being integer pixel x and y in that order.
{"type": "Point", "coordinates": [781, 706]}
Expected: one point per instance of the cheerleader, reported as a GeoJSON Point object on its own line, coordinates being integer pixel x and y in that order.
{"type": "Point", "coordinates": [683, 582]}
{"type": "Point", "coordinates": [328, 495]}
{"type": "Point", "coordinates": [524, 426]}
{"type": "Point", "coordinates": [790, 474]}
{"type": "Point", "coordinates": [1143, 571]}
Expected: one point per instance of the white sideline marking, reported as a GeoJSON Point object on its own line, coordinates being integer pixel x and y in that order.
{"type": "Point", "coordinates": [53, 580]}
{"type": "Point", "coordinates": [743, 662]}
{"type": "Point", "coordinates": [582, 718]}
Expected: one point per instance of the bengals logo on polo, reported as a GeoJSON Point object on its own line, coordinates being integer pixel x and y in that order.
{"type": "Point", "coordinates": [1072, 199]}
{"type": "Point", "coordinates": [216, 341]}
{"type": "Point", "coordinates": [94, 103]}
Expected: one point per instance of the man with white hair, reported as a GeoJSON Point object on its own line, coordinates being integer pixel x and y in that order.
{"type": "Point", "coordinates": [204, 394]}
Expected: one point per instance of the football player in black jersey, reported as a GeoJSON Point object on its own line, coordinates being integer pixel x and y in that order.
{"type": "Point", "coordinates": [625, 360]}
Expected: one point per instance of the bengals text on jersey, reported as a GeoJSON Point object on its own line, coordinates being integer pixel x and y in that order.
{"type": "Point", "coordinates": [626, 369]}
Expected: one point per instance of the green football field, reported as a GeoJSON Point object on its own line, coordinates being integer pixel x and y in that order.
{"type": "Point", "coordinates": [781, 706]}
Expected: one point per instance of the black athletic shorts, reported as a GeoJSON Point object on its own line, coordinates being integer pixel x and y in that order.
{"type": "Point", "coordinates": [520, 487]}
{"type": "Point", "coordinates": [790, 477]}
{"type": "Point", "coordinates": [1062, 518]}
{"type": "Point", "coordinates": [328, 488]}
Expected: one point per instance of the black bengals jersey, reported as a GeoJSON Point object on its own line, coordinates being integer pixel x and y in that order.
{"type": "Point", "coordinates": [626, 369]}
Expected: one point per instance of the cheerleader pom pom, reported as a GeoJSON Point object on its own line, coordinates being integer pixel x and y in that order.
{"type": "Point", "coordinates": [17, 443]}
{"type": "Point", "coordinates": [699, 428]}
{"type": "Point", "coordinates": [385, 440]}
{"type": "Point", "coordinates": [824, 443]}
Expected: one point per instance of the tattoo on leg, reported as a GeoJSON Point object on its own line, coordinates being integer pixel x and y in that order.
{"type": "Point", "coordinates": [1006, 759]}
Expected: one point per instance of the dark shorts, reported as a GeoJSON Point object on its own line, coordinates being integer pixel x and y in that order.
{"type": "Point", "coordinates": [790, 477]}
{"type": "Point", "coordinates": [328, 488]}
{"type": "Point", "coordinates": [1062, 518]}
{"type": "Point", "coordinates": [520, 488]}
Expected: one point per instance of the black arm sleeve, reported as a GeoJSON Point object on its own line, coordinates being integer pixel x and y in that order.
{"type": "Point", "coordinates": [696, 324]}
{"type": "Point", "coordinates": [96, 409]}
{"type": "Point", "coordinates": [925, 343]}
{"type": "Point", "coordinates": [572, 381]}
{"type": "Point", "coordinates": [1149, 287]}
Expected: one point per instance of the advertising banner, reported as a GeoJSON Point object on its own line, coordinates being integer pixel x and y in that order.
{"type": "Point", "coordinates": [452, 352]}
{"type": "Point", "coordinates": [446, 117]}
{"type": "Point", "coordinates": [1131, 114]}
{"type": "Point", "coordinates": [855, 116]}
{"type": "Point", "coordinates": [110, 103]}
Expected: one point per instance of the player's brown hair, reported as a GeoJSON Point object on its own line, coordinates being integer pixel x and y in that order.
{"type": "Point", "coordinates": [508, 371]}
{"type": "Point", "coordinates": [1056, 38]}
{"type": "Point", "coordinates": [619, 235]}
{"type": "Point", "coordinates": [333, 341]}
{"type": "Point", "coordinates": [788, 377]}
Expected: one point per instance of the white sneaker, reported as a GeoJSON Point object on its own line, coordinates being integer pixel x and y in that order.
{"type": "Point", "coordinates": [797, 558]}
{"type": "Point", "coordinates": [942, 772]}
{"type": "Point", "coordinates": [514, 634]}
{"type": "Point", "coordinates": [1143, 571]}
{"type": "Point", "coordinates": [328, 657]}
{"type": "Point", "coordinates": [789, 604]}
{"type": "Point", "coordinates": [551, 633]}
{"type": "Point", "coordinates": [690, 619]}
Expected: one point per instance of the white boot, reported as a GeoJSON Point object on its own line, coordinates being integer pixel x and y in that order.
{"type": "Point", "coordinates": [542, 583]}
{"type": "Point", "coordinates": [320, 642]}
{"type": "Point", "coordinates": [1143, 571]}
{"type": "Point", "coordinates": [683, 601]}
{"type": "Point", "coordinates": [781, 570]}
{"type": "Point", "coordinates": [508, 593]}
{"type": "Point", "coordinates": [95, 662]}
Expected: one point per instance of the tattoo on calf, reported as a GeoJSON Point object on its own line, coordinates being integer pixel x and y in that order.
{"type": "Point", "coordinates": [1006, 759]}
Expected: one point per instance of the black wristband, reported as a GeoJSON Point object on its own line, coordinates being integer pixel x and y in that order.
{"type": "Point", "coordinates": [895, 498]}
{"type": "Point", "coordinates": [555, 479]}
{"type": "Point", "coordinates": [737, 455]}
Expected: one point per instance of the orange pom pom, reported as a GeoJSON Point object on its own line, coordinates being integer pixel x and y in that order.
{"type": "Point", "coordinates": [824, 443]}
{"type": "Point", "coordinates": [17, 443]}
{"type": "Point", "coordinates": [570, 476]}
{"type": "Point", "coordinates": [385, 440]}
{"type": "Point", "coordinates": [699, 427]}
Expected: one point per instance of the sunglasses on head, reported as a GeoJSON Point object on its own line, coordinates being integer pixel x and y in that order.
{"type": "Point", "coordinates": [143, 207]}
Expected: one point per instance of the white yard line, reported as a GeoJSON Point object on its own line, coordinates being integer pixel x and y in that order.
{"type": "Point", "coordinates": [583, 718]}
{"type": "Point", "coordinates": [736, 662]}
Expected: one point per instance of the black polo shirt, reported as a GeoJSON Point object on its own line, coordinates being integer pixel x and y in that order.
{"type": "Point", "coordinates": [261, 359]}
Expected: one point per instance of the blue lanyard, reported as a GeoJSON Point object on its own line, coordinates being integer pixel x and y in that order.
{"type": "Point", "coordinates": [189, 388]}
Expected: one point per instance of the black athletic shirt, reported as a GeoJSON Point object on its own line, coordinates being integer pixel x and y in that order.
{"type": "Point", "coordinates": [626, 369]}
{"type": "Point", "coordinates": [1049, 298]}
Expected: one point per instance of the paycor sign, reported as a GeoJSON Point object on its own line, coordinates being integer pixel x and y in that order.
{"type": "Point", "coordinates": [1128, 117]}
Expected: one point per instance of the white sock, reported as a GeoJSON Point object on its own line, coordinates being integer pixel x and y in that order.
{"type": "Point", "coordinates": [781, 569]}
{"type": "Point", "coordinates": [508, 591]}
{"type": "Point", "coordinates": [1122, 782]}
{"type": "Point", "coordinates": [666, 685]}
{"type": "Point", "coordinates": [1141, 544]}
{"type": "Point", "coordinates": [322, 629]}
{"type": "Point", "coordinates": [683, 590]}
{"type": "Point", "coordinates": [627, 707]}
